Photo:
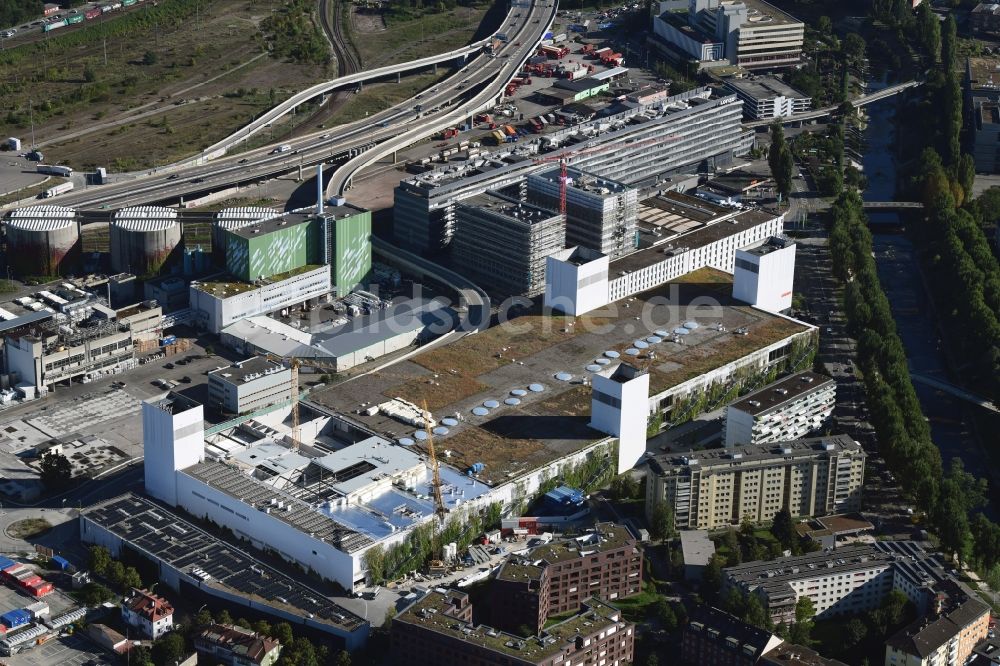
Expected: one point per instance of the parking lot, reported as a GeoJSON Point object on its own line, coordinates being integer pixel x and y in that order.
{"type": "Point", "coordinates": [73, 650]}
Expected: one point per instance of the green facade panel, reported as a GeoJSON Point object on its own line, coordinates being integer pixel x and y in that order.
{"type": "Point", "coordinates": [352, 251]}
{"type": "Point", "coordinates": [251, 256]}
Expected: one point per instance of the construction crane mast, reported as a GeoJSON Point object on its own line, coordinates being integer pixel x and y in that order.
{"type": "Point", "coordinates": [294, 363]}
{"type": "Point", "coordinates": [439, 507]}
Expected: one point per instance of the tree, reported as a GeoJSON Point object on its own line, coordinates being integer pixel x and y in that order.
{"type": "Point", "coordinates": [949, 40]}
{"type": "Point", "coordinates": [56, 471]}
{"type": "Point", "coordinates": [99, 559]}
{"type": "Point", "coordinates": [661, 522]}
{"type": "Point", "coordinates": [783, 528]}
{"type": "Point", "coordinates": [168, 650]}
{"type": "Point", "coordinates": [755, 614]}
{"type": "Point", "coordinates": [116, 574]}
{"type": "Point", "coordinates": [801, 631]}
{"type": "Point", "coordinates": [665, 614]}
{"type": "Point", "coordinates": [149, 58]}
{"type": "Point", "coordinates": [624, 486]}
{"type": "Point", "coordinates": [779, 158]}
{"type": "Point", "coordinates": [929, 31]}
{"type": "Point", "coordinates": [652, 660]}
{"type": "Point", "coordinates": [711, 578]}
{"type": "Point", "coordinates": [131, 578]}
{"type": "Point", "coordinates": [203, 618]}
{"type": "Point", "coordinates": [343, 658]}
{"type": "Point", "coordinates": [95, 594]}
{"type": "Point", "coordinates": [89, 73]}
{"type": "Point", "coordinates": [854, 632]}
{"type": "Point", "coordinates": [854, 47]}
{"type": "Point", "coordinates": [283, 632]}
{"type": "Point", "coordinates": [223, 617]}
{"type": "Point", "coordinates": [374, 561]}
{"type": "Point", "coordinates": [824, 26]}
{"type": "Point", "coordinates": [140, 655]}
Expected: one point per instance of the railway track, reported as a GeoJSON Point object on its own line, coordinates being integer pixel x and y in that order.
{"type": "Point", "coordinates": [348, 61]}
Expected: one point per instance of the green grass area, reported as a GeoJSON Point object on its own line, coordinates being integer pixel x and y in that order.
{"type": "Point", "coordinates": [560, 617]}
{"type": "Point", "coordinates": [29, 528]}
{"type": "Point", "coordinates": [636, 608]}
{"type": "Point", "coordinates": [32, 191]}
{"type": "Point", "coordinates": [380, 96]}
{"type": "Point", "coordinates": [406, 38]}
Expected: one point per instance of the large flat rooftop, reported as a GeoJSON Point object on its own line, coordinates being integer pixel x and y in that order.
{"type": "Point", "coordinates": [224, 286]}
{"type": "Point", "coordinates": [764, 87]}
{"type": "Point", "coordinates": [163, 535]}
{"type": "Point", "coordinates": [759, 8]}
{"type": "Point", "coordinates": [605, 537]}
{"type": "Point", "coordinates": [241, 372]}
{"type": "Point", "coordinates": [270, 225]}
{"type": "Point", "coordinates": [723, 456]}
{"type": "Point", "coordinates": [782, 392]}
{"type": "Point", "coordinates": [533, 351]}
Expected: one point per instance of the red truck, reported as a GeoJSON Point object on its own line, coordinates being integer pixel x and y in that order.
{"type": "Point", "coordinates": [554, 52]}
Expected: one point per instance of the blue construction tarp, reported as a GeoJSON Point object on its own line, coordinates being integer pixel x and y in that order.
{"type": "Point", "coordinates": [6, 562]}
{"type": "Point", "coordinates": [61, 562]}
{"type": "Point", "coordinates": [564, 495]}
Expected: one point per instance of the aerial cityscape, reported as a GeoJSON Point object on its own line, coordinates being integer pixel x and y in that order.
{"type": "Point", "coordinates": [513, 333]}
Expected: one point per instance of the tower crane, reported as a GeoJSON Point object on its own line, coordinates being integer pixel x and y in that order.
{"type": "Point", "coordinates": [439, 507]}
{"type": "Point", "coordinates": [294, 363]}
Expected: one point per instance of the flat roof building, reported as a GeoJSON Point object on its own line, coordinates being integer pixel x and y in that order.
{"type": "Point", "coordinates": [697, 550]}
{"type": "Point", "coordinates": [768, 97]}
{"type": "Point", "coordinates": [439, 628]}
{"type": "Point", "coordinates": [246, 386]}
{"type": "Point", "coordinates": [986, 134]}
{"type": "Point", "coordinates": [764, 274]}
{"type": "Point", "coordinates": [715, 488]}
{"type": "Point", "coordinates": [503, 243]}
{"type": "Point", "coordinates": [790, 408]}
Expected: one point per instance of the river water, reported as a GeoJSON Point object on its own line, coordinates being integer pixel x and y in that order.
{"type": "Point", "coordinates": [949, 417]}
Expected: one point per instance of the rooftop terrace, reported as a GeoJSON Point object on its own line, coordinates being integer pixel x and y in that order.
{"type": "Point", "coordinates": [224, 286]}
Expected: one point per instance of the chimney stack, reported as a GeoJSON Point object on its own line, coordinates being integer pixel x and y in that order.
{"type": "Point", "coordinates": [319, 188]}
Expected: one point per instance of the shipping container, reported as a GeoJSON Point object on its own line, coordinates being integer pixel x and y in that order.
{"type": "Point", "coordinates": [62, 188]}
{"type": "Point", "coordinates": [6, 563]}
{"type": "Point", "coordinates": [499, 136]}
{"type": "Point", "coordinates": [168, 340]}
{"type": "Point", "coordinates": [15, 618]}
{"type": "Point", "coordinates": [38, 609]}
{"type": "Point", "coordinates": [74, 18]}
{"type": "Point", "coordinates": [128, 3]}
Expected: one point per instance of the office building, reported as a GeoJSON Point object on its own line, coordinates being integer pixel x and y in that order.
{"type": "Point", "coordinates": [763, 274]}
{"type": "Point", "coordinates": [152, 615]}
{"type": "Point", "coordinates": [503, 243]}
{"type": "Point", "coordinates": [232, 645]}
{"type": "Point", "coordinates": [986, 134]}
{"type": "Point", "coordinates": [688, 234]}
{"type": "Point", "coordinates": [560, 576]}
{"type": "Point", "coordinates": [249, 385]}
{"type": "Point", "coordinates": [715, 638]}
{"type": "Point", "coordinates": [219, 302]}
{"type": "Point", "coordinates": [600, 213]}
{"type": "Point", "coordinates": [768, 97]}
{"type": "Point", "coordinates": [439, 629]}
{"type": "Point", "coordinates": [752, 34]}
{"type": "Point", "coordinates": [619, 405]}
{"type": "Point", "coordinates": [947, 635]}
{"type": "Point", "coordinates": [644, 144]}
{"type": "Point", "coordinates": [788, 409]}
{"type": "Point", "coordinates": [985, 17]}
{"type": "Point", "coordinates": [715, 488]}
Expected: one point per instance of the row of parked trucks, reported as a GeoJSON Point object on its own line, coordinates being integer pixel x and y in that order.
{"type": "Point", "coordinates": [87, 15]}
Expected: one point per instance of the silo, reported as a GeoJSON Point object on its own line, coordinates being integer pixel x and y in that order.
{"type": "Point", "coordinates": [235, 218]}
{"type": "Point", "coordinates": [42, 241]}
{"type": "Point", "coordinates": [143, 239]}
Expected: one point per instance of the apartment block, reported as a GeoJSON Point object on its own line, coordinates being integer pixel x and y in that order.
{"type": "Point", "coordinates": [768, 97]}
{"type": "Point", "coordinates": [715, 638]}
{"type": "Point", "coordinates": [233, 645]}
{"type": "Point", "coordinates": [985, 17]}
{"type": "Point", "coordinates": [600, 213]}
{"type": "Point", "coordinates": [249, 385]}
{"type": "Point", "coordinates": [559, 577]}
{"type": "Point", "coordinates": [945, 636]}
{"type": "Point", "coordinates": [716, 488]}
{"type": "Point", "coordinates": [788, 409]}
{"type": "Point", "coordinates": [439, 629]}
{"type": "Point", "coordinates": [504, 243]}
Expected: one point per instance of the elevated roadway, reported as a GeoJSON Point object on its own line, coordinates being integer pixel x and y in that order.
{"type": "Point", "coordinates": [860, 100]}
{"type": "Point", "coordinates": [481, 79]}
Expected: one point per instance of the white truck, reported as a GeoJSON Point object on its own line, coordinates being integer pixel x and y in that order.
{"type": "Point", "coordinates": [281, 149]}
{"type": "Point", "coordinates": [62, 188]}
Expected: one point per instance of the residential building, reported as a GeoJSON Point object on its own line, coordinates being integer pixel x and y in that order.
{"type": "Point", "coordinates": [715, 488]}
{"type": "Point", "coordinates": [232, 645]}
{"type": "Point", "coordinates": [439, 629]}
{"type": "Point", "coordinates": [752, 34]}
{"type": "Point", "coordinates": [986, 134]}
{"type": "Point", "coordinates": [763, 274]}
{"type": "Point", "coordinates": [600, 213]}
{"type": "Point", "coordinates": [561, 576]}
{"type": "Point", "coordinates": [503, 243]}
{"type": "Point", "coordinates": [150, 614]}
{"type": "Point", "coordinates": [219, 302]}
{"type": "Point", "coordinates": [249, 385]}
{"type": "Point", "coordinates": [946, 636]}
{"type": "Point", "coordinates": [985, 17]}
{"type": "Point", "coordinates": [768, 97]}
{"type": "Point", "coordinates": [697, 551]}
{"type": "Point", "coordinates": [788, 409]}
{"type": "Point", "coordinates": [715, 638]}
{"type": "Point", "coordinates": [790, 654]}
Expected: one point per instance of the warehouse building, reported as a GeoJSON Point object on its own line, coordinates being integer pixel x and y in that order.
{"type": "Point", "coordinates": [644, 144]}
{"type": "Point", "coordinates": [249, 385]}
{"type": "Point", "coordinates": [560, 576]}
{"type": "Point", "coordinates": [439, 629]}
{"type": "Point", "coordinates": [600, 213]}
{"type": "Point", "coordinates": [768, 97]}
{"type": "Point", "coordinates": [504, 243]}
{"type": "Point", "coordinates": [716, 488]}
{"type": "Point", "coordinates": [788, 409]}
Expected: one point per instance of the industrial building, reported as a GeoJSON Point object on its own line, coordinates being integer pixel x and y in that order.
{"type": "Point", "coordinates": [853, 579]}
{"type": "Point", "coordinates": [229, 219]}
{"type": "Point", "coordinates": [642, 144]}
{"type": "Point", "coordinates": [144, 239]}
{"type": "Point", "coordinates": [763, 275]}
{"type": "Point", "coordinates": [273, 246]}
{"type": "Point", "coordinates": [439, 629]}
{"type": "Point", "coordinates": [752, 34]}
{"type": "Point", "coordinates": [249, 385]}
{"type": "Point", "coordinates": [788, 409]}
{"type": "Point", "coordinates": [560, 576]}
{"type": "Point", "coordinates": [42, 241]}
{"type": "Point", "coordinates": [219, 302]}
{"type": "Point", "coordinates": [600, 213]}
{"type": "Point", "coordinates": [768, 97]}
{"type": "Point", "coordinates": [347, 246]}
{"type": "Point", "coordinates": [504, 243]}
{"type": "Point", "coordinates": [688, 234]}
{"type": "Point", "coordinates": [716, 488]}
{"type": "Point", "coordinates": [204, 568]}
{"type": "Point", "coordinates": [341, 346]}
{"type": "Point", "coordinates": [735, 187]}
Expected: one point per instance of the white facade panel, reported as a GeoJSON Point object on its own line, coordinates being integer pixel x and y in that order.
{"type": "Point", "coordinates": [173, 438]}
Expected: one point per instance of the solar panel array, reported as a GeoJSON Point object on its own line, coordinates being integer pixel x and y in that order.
{"type": "Point", "coordinates": [167, 537]}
